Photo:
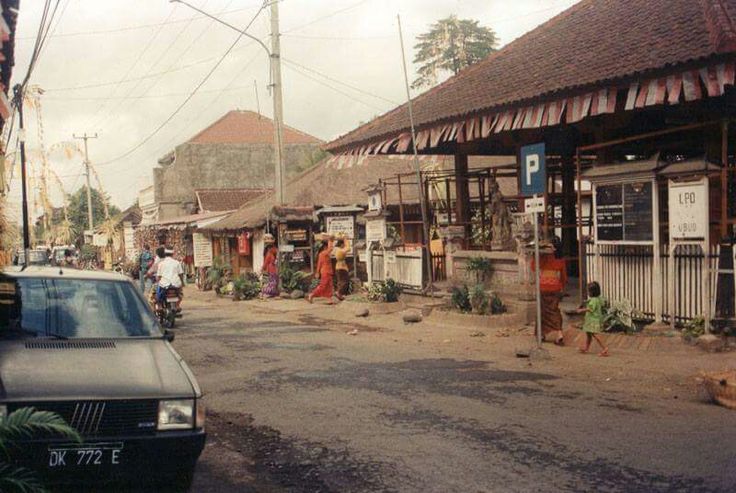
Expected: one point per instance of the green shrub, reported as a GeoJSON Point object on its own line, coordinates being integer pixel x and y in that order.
{"type": "Point", "coordinates": [292, 279]}
{"type": "Point", "coordinates": [694, 328]}
{"type": "Point", "coordinates": [479, 301]}
{"type": "Point", "coordinates": [387, 291]}
{"type": "Point", "coordinates": [619, 317]}
{"type": "Point", "coordinates": [497, 306]}
{"type": "Point", "coordinates": [461, 299]}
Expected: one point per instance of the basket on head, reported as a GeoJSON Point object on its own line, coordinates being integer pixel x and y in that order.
{"type": "Point", "coordinates": [268, 239]}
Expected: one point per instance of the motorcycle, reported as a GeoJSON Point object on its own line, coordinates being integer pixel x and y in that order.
{"type": "Point", "coordinates": [167, 308]}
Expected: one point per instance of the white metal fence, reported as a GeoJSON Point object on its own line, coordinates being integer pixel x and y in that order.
{"type": "Point", "coordinates": [627, 272]}
{"type": "Point", "coordinates": [406, 268]}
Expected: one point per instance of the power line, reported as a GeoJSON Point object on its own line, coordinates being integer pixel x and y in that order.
{"type": "Point", "coordinates": [143, 96]}
{"type": "Point", "coordinates": [133, 28]}
{"type": "Point", "coordinates": [354, 88]}
{"type": "Point", "coordinates": [340, 91]}
{"type": "Point", "coordinates": [319, 19]}
{"type": "Point", "coordinates": [153, 65]}
{"type": "Point", "coordinates": [133, 66]}
{"type": "Point", "coordinates": [188, 98]}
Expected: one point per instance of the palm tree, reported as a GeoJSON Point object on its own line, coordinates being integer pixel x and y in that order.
{"type": "Point", "coordinates": [22, 424]}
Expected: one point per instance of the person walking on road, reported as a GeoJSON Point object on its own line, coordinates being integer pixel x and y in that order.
{"type": "Point", "coordinates": [342, 248]}
{"type": "Point", "coordinates": [593, 324]}
{"type": "Point", "coordinates": [270, 269]}
{"type": "Point", "coordinates": [145, 261]}
{"type": "Point", "coordinates": [325, 272]}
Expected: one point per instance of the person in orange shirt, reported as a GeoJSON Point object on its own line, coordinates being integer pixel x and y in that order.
{"type": "Point", "coordinates": [552, 281]}
{"type": "Point", "coordinates": [342, 248]}
{"type": "Point", "coordinates": [325, 272]}
{"type": "Point", "coordinates": [270, 268]}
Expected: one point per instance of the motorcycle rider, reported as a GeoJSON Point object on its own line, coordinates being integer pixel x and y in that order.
{"type": "Point", "coordinates": [170, 274]}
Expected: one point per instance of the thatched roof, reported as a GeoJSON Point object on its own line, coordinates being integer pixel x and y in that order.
{"type": "Point", "coordinates": [325, 185]}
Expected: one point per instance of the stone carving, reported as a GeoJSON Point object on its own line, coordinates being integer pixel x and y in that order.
{"type": "Point", "coordinates": [501, 220]}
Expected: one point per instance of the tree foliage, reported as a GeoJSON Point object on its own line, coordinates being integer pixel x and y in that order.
{"type": "Point", "coordinates": [23, 424]}
{"type": "Point", "coordinates": [77, 210]}
{"type": "Point", "coordinates": [450, 45]}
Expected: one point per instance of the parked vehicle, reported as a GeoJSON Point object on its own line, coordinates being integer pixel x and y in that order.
{"type": "Point", "coordinates": [86, 346]}
{"type": "Point", "coordinates": [36, 256]}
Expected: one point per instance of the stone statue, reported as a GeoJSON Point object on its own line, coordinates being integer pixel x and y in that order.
{"type": "Point", "coordinates": [501, 220]}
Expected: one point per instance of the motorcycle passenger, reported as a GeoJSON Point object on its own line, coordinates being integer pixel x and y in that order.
{"type": "Point", "coordinates": [169, 274]}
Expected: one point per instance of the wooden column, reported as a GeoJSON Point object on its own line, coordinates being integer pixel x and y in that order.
{"type": "Point", "coordinates": [569, 234]}
{"type": "Point", "coordinates": [462, 192]}
{"type": "Point", "coordinates": [724, 180]}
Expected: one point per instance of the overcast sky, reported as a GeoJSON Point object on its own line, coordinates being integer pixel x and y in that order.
{"type": "Point", "coordinates": [121, 67]}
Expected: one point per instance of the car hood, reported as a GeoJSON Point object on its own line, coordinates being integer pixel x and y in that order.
{"type": "Point", "coordinates": [42, 369]}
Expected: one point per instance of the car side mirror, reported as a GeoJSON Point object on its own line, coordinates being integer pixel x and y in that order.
{"type": "Point", "coordinates": [168, 335]}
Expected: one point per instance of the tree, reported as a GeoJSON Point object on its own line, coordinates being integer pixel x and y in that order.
{"type": "Point", "coordinates": [449, 46]}
{"type": "Point", "coordinates": [77, 210]}
{"type": "Point", "coordinates": [27, 423]}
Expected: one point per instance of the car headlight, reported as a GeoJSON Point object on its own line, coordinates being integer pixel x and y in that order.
{"type": "Point", "coordinates": [176, 414]}
{"type": "Point", "coordinates": [3, 410]}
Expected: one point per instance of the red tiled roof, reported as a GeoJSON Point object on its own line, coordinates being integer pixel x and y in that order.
{"type": "Point", "coordinates": [248, 127]}
{"type": "Point", "coordinates": [592, 42]}
{"type": "Point", "coordinates": [229, 199]}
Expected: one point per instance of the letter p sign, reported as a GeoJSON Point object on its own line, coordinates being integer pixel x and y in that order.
{"type": "Point", "coordinates": [533, 169]}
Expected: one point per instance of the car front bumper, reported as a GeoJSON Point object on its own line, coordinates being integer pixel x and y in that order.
{"type": "Point", "coordinates": [162, 457]}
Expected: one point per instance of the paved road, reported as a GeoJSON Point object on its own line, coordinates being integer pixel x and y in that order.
{"type": "Point", "coordinates": [295, 404]}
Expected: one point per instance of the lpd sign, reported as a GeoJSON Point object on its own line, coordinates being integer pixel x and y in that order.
{"type": "Point", "coordinates": [688, 205]}
{"type": "Point", "coordinates": [533, 169]}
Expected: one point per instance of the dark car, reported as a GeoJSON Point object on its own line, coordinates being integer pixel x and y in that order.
{"type": "Point", "coordinates": [87, 346]}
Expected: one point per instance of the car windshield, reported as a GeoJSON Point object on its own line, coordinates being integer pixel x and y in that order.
{"type": "Point", "coordinates": [73, 308]}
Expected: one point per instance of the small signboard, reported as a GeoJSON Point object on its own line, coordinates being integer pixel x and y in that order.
{"type": "Point", "coordinates": [129, 240]}
{"type": "Point", "coordinates": [623, 212]}
{"type": "Point", "coordinates": [375, 229]}
{"type": "Point", "coordinates": [534, 205]}
{"type": "Point", "coordinates": [202, 250]}
{"type": "Point", "coordinates": [341, 225]}
{"type": "Point", "coordinates": [688, 210]}
{"type": "Point", "coordinates": [453, 232]}
{"type": "Point", "coordinates": [296, 235]}
{"type": "Point", "coordinates": [533, 169]}
{"type": "Point", "coordinates": [286, 248]}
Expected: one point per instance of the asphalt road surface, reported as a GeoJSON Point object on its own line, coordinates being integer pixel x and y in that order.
{"type": "Point", "coordinates": [296, 404]}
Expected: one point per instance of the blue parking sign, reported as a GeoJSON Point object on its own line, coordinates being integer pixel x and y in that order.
{"type": "Point", "coordinates": [533, 169]}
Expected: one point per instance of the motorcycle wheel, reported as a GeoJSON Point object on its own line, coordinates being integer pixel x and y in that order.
{"type": "Point", "coordinates": [170, 318]}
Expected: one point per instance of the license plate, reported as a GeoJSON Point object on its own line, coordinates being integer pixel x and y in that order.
{"type": "Point", "coordinates": [172, 300]}
{"type": "Point", "coordinates": [92, 455]}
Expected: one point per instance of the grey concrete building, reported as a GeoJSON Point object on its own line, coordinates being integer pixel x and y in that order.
{"type": "Point", "coordinates": [234, 152]}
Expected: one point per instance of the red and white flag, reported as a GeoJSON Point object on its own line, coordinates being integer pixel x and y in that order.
{"type": "Point", "coordinates": [674, 88]}
{"type": "Point", "coordinates": [691, 85]}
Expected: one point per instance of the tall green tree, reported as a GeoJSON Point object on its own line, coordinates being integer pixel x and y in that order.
{"type": "Point", "coordinates": [449, 46]}
{"type": "Point", "coordinates": [77, 210]}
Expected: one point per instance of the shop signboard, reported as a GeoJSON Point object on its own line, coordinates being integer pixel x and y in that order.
{"type": "Point", "coordinates": [375, 229]}
{"type": "Point", "coordinates": [202, 250]}
{"type": "Point", "coordinates": [341, 226]}
{"type": "Point", "coordinates": [688, 210]}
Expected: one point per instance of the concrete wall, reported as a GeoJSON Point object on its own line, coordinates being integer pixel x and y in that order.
{"type": "Point", "coordinates": [222, 166]}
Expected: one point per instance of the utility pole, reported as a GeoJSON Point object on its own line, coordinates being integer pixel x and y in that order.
{"type": "Point", "coordinates": [278, 105]}
{"type": "Point", "coordinates": [90, 215]}
{"type": "Point", "coordinates": [278, 102]}
{"type": "Point", "coordinates": [18, 99]}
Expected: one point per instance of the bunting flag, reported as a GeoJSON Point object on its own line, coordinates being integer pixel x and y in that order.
{"type": "Point", "coordinates": [686, 86]}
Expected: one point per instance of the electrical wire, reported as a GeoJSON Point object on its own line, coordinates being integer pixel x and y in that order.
{"type": "Point", "coordinates": [188, 98]}
{"type": "Point", "coordinates": [327, 16]}
{"type": "Point", "coordinates": [340, 91]}
{"type": "Point", "coordinates": [133, 28]}
{"type": "Point", "coordinates": [131, 68]}
{"type": "Point", "coordinates": [130, 91]}
{"type": "Point", "coordinates": [332, 79]}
